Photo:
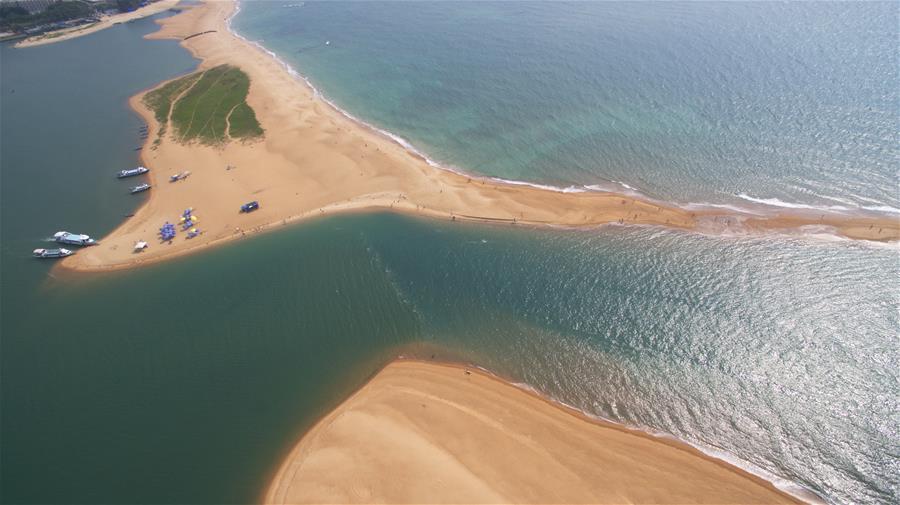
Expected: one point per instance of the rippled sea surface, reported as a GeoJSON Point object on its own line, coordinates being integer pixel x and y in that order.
{"type": "Point", "coordinates": [737, 103]}
{"type": "Point", "coordinates": [188, 381]}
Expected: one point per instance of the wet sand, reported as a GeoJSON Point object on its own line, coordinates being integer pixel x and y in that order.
{"type": "Point", "coordinates": [315, 161]}
{"type": "Point", "coordinates": [430, 433]}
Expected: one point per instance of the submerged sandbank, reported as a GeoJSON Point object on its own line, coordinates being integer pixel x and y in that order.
{"type": "Point", "coordinates": [431, 433]}
{"type": "Point", "coordinates": [314, 160]}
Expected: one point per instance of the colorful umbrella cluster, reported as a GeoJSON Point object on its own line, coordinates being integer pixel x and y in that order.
{"type": "Point", "coordinates": [188, 220]}
{"type": "Point", "coordinates": [167, 232]}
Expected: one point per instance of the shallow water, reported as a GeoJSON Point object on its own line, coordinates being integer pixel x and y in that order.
{"type": "Point", "coordinates": [740, 103]}
{"type": "Point", "coordinates": [186, 382]}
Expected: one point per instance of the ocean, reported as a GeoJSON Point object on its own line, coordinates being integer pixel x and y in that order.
{"type": "Point", "coordinates": [188, 381]}
{"type": "Point", "coordinates": [758, 105]}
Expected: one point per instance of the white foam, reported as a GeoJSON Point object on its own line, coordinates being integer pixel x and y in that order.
{"type": "Point", "coordinates": [733, 208]}
{"type": "Point", "coordinates": [617, 186]}
{"type": "Point", "coordinates": [775, 202]}
{"type": "Point", "coordinates": [568, 189]}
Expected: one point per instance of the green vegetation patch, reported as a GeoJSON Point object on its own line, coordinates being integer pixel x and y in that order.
{"type": "Point", "coordinates": [14, 17]}
{"type": "Point", "coordinates": [208, 106]}
{"type": "Point", "coordinates": [203, 112]}
{"type": "Point", "coordinates": [160, 99]}
{"type": "Point", "coordinates": [243, 123]}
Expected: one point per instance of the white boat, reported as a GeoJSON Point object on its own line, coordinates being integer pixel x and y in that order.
{"type": "Point", "coordinates": [52, 253]}
{"type": "Point", "coordinates": [139, 188]}
{"type": "Point", "coordinates": [64, 237]}
{"type": "Point", "coordinates": [131, 172]}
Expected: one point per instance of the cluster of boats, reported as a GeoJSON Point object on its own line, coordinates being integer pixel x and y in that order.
{"type": "Point", "coordinates": [78, 239]}
{"type": "Point", "coordinates": [144, 133]}
{"type": "Point", "coordinates": [64, 237]}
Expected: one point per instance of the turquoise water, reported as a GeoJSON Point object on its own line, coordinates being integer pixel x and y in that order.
{"type": "Point", "coordinates": [734, 103]}
{"type": "Point", "coordinates": [187, 382]}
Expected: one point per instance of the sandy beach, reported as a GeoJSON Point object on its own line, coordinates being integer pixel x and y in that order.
{"type": "Point", "coordinates": [431, 433]}
{"type": "Point", "coordinates": [315, 161]}
{"type": "Point", "coordinates": [105, 22]}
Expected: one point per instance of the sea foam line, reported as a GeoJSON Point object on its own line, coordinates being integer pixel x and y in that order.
{"type": "Point", "coordinates": [618, 187]}
{"type": "Point", "coordinates": [775, 202]}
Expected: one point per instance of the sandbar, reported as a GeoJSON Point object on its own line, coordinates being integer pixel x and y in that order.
{"type": "Point", "coordinates": [423, 432]}
{"type": "Point", "coordinates": [316, 161]}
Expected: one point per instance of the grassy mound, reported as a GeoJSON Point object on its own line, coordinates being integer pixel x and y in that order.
{"type": "Point", "coordinates": [208, 106]}
{"type": "Point", "coordinates": [160, 99]}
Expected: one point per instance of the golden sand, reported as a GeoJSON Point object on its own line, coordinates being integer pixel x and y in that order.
{"type": "Point", "coordinates": [315, 161]}
{"type": "Point", "coordinates": [428, 433]}
{"type": "Point", "coordinates": [105, 22]}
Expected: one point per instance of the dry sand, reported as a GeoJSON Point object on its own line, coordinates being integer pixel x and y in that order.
{"type": "Point", "coordinates": [105, 22]}
{"type": "Point", "coordinates": [315, 161]}
{"type": "Point", "coordinates": [428, 433]}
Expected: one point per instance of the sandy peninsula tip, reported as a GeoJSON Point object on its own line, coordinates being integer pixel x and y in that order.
{"type": "Point", "coordinates": [429, 433]}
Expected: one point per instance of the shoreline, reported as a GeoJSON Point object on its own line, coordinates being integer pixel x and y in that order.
{"type": "Point", "coordinates": [104, 23]}
{"type": "Point", "coordinates": [358, 167]}
{"type": "Point", "coordinates": [753, 207]}
{"type": "Point", "coordinates": [304, 450]}
{"type": "Point", "coordinates": [719, 457]}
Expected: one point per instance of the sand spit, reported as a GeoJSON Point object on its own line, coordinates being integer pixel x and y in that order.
{"type": "Point", "coordinates": [315, 161]}
{"type": "Point", "coordinates": [430, 433]}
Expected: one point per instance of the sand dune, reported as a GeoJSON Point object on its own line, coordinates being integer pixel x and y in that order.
{"type": "Point", "coordinates": [428, 433]}
{"type": "Point", "coordinates": [315, 161]}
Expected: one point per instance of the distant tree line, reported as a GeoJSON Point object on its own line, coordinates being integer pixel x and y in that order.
{"type": "Point", "coordinates": [14, 17]}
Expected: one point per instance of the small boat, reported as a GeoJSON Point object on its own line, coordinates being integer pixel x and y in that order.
{"type": "Point", "coordinates": [138, 148]}
{"type": "Point", "coordinates": [131, 172]}
{"type": "Point", "coordinates": [139, 188]}
{"type": "Point", "coordinates": [250, 207]}
{"type": "Point", "coordinates": [180, 176]}
{"type": "Point", "coordinates": [52, 253]}
{"type": "Point", "coordinates": [64, 237]}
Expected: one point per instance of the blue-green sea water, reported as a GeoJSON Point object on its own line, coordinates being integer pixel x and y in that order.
{"type": "Point", "coordinates": [759, 105]}
{"type": "Point", "coordinates": [188, 381]}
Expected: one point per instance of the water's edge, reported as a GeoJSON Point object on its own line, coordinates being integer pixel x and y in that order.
{"type": "Point", "coordinates": [745, 204]}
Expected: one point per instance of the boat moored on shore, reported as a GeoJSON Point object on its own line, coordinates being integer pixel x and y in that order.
{"type": "Point", "coordinates": [52, 253]}
{"type": "Point", "coordinates": [139, 188]}
{"type": "Point", "coordinates": [131, 172]}
{"type": "Point", "coordinates": [179, 176]}
{"type": "Point", "coordinates": [64, 237]}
